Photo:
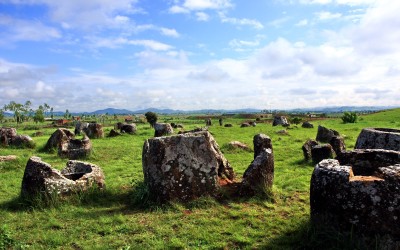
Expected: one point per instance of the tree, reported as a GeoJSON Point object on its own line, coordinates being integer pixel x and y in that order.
{"type": "Point", "coordinates": [17, 109]}
{"type": "Point", "coordinates": [151, 118]}
{"type": "Point", "coordinates": [46, 108]}
{"type": "Point", "coordinates": [51, 112]}
{"type": "Point", "coordinates": [296, 120]}
{"type": "Point", "coordinates": [66, 114]}
{"type": "Point", "coordinates": [39, 115]}
{"type": "Point", "coordinates": [1, 115]}
{"type": "Point", "coordinates": [349, 117]}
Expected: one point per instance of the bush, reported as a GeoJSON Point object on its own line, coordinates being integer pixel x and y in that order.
{"type": "Point", "coordinates": [349, 117]}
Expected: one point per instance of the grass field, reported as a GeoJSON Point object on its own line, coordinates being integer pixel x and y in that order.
{"type": "Point", "coordinates": [118, 218]}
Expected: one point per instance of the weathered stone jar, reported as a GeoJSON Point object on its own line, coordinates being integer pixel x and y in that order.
{"type": "Point", "coordinates": [362, 192]}
{"type": "Point", "coordinates": [383, 138]}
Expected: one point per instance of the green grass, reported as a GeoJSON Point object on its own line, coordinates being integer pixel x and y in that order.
{"type": "Point", "coordinates": [121, 218]}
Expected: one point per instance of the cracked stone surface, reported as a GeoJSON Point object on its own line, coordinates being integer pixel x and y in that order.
{"type": "Point", "coordinates": [40, 178]}
{"type": "Point", "coordinates": [185, 166]}
{"type": "Point", "coordinates": [360, 191]}
{"type": "Point", "coordinates": [379, 138]}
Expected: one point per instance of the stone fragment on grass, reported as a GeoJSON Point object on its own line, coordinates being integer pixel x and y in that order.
{"type": "Point", "coordinates": [280, 120]}
{"type": "Point", "coordinates": [56, 139]}
{"type": "Point", "coordinates": [307, 149]}
{"type": "Point", "coordinates": [307, 124]}
{"type": "Point", "coordinates": [321, 152]}
{"type": "Point", "coordinates": [364, 197]}
{"type": "Point", "coordinates": [325, 134]}
{"type": "Point", "coordinates": [41, 179]}
{"type": "Point", "coordinates": [162, 129]}
{"type": "Point", "coordinates": [7, 158]}
{"type": "Point", "coordinates": [9, 137]}
{"type": "Point", "coordinates": [238, 144]}
{"type": "Point", "coordinates": [379, 138]}
{"type": "Point", "coordinates": [94, 130]}
{"type": "Point", "coordinates": [185, 166]}
{"type": "Point", "coordinates": [75, 148]}
{"type": "Point", "coordinates": [128, 128]}
{"type": "Point", "coordinates": [259, 176]}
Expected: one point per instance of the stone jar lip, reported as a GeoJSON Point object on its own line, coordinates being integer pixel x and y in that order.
{"type": "Point", "coordinates": [384, 130]}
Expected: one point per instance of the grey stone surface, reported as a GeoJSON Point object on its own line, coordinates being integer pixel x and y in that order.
{"type": "Point", "coordinates": [321, 152]}
{"type": "Point", "coordinates": [185, 166]}
{"type": "Point", "coordinates": [307, 149]}
{"type": "Point", "coordinates": [379, 138]}
{"type": "Point", "coordinates": [307, 124]}
{"type": "Point", "coordinates": [259, 176]}
{"type": "Point", "coordinates": [9, 137]}
{"type": "Point", "coordinates": [350, 198]}
{"type": "Point", "coordinates": [41, 179]}
{"type": "Point", "coordinates": [325, 134]}
{"type": "Point", "coordinates": [280, 120]}
{"type": "Point", "coordinates": [162, 129]}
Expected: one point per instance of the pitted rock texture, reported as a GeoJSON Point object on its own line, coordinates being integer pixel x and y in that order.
{"type": "Point", "coordinates": [325, 134]}
{"type": "Point", "coordinates": [280, 120]}
{"type": "Point", "coordinates": [366, 161]}
{"type": "Point", "coordinates": [128, 128]}
{"type": "Point", "coordinates": [41, 179]}
{"type": "Point", "coordinates": [307, 124]}
{"type": "Point", "coordinates": [307, 147]}
{"type": "Point", "coordinates": [259, 176]}
{"type": "Point", "coordinates": [75, 148]}
{"type": "Point", "coordinates": [337, 143]}
{"type": "Point", "coordinates": [9, 137]}
{"type": "Point", "coordinates": [261, 142]}
{"type": "Point", "coordinates": [185, 166]}
{"type": "Point", "coordinates": [59, 136]}
{"type": "Point", "coordinates": [379, 138]}
{"type": "Point", "coordinates": [348, 199]}
{"type": "Point", "coordinates": [93, 130]}
{"type": "Point", "coordinates": [321, 152]}
{"type": "Point", "coordinates": [114, 133]}
{"type": "Point", "coordinates": [84, 174]}
{"type": "Point", "coordinates": [162, 129]}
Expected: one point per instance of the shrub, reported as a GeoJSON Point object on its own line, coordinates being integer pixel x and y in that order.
{"type": "Point", "coordinates": [349, 117]}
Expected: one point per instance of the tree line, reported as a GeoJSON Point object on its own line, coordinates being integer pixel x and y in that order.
{"type": "Point", "coordinates": [25, 112]}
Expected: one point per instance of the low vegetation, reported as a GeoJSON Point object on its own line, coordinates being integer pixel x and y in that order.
{"type": "Point", "coordinates": [123, 216]}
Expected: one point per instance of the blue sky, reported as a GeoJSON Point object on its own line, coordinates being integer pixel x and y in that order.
{"type": "Point", "coordinates": [196, 54]}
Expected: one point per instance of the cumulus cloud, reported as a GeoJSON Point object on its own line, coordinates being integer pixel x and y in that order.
{"type": "Point", "coordinates": [326, 15]}
{"type": "Point", "coordinates": [26, 30]}
{"type": "Point", "coordinates": [240, 21]}
{"type": "Point", "coordinates": [113, 43]}
{"type": "Point", "coordinates": [202, 16]}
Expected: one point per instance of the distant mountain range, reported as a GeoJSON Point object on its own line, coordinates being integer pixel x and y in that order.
{"type": "Point", "coordinates": [113, 111]}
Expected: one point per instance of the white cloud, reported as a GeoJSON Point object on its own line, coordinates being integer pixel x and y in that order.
{"type": "Point", "coordinates": [207, 4]}
{"type": "Point", "coordinates": [201, 16]}
{"type": "Point", "coordinates": [169, 32]}
{"type": "Point", "coordinates": [240, 22]}
{"type": "Point", "coordinates": [178, 10]}
{"type": "Point", "coordinates": [26, 30]}
{"type": "Point", "coordinates": [114, 43]}
{"type": "Point", "coordinates": [326, 15]}
{"type": "Point", "coordinates": [303, 22]}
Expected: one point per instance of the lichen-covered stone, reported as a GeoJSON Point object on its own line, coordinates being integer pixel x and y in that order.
{"type": "Point", "coordinates": [185, 166]}
{"type": "Point", "coordinates": [321, 152]}
{"type": "Point", "coordinates": [41, 179]}
{"type": "Point", "coordinates": [337, 143]}
{"type": "Point", "coordinates": [75, 148]}
{"type": "Point", "coordinates": [84, 174]}
{"type": "Point", "coordinates": [9, 137]}
{"type": "Point", "coordinates": [307, 147]}
{"type": "Point", "coordinates": [94, 130]}
{"type": "Point", "coordinates": [325, 134]}
{"type": "Point", "coordinates": [259, 176]}
{"type": "Point", "coordinates": [261, 142]}
{"type": "Point", "coordinates": [128, 128]}
{"type": "Point", "coordinates": [307, 124]}
{"type": "Point", "coordinates": [114, 133]}
{"type": "Point", "coordinates": [162, 129]}
{"type": "Point", "coordinates": [280, 120]}
{"type": "Point", "coordinates": [350, 199]}
{"type": "Point", "coordinates": [59, 136]}
{"type": "Point", "coordinates": [379, 138]}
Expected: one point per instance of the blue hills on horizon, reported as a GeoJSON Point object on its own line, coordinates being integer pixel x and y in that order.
{"type": "Point", "coordinates": [335, 109]}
